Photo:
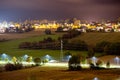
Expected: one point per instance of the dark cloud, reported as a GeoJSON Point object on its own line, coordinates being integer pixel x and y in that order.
{"type": "Point", "coordinates": [60, 9]}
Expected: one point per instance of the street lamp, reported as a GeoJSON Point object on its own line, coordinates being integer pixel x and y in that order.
{"type": "Point", "coordinates": [4, 56]}
{"type": "Point", "coordinates": [94, 59]}
{"type": "Point", "coordinates": [95, 78]}
{"type": "Point", "coordinates": [61, 54]}
{"type": "Point", "coordinates": [68, 57]}
{"type": "Point", "coordinates": [117, 60]}
{"type": "Point", "coordinates": [25, 56]}
{"type": "Point", "coordinates": [48, 57]}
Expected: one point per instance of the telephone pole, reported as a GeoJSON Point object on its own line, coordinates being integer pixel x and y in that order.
{"type": "Point", "coordinates": [61, 54]}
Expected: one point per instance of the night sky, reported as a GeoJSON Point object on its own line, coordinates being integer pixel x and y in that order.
{"type": "Point", "coordinates": [91, 10]}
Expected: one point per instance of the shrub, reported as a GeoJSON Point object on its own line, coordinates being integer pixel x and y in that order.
{"type": "Point", "coordinates": [29, 59]}
{"type": "Point", "coordinates": [49, 39]}
{"type": "Point", "coordinates": [18, 66]}
{"type": "Point", "coordinates": [47, 31]}
{"type": "Point", "coordinates": [76, 45]}
{"type": "Point", "coordinates": [74, 63]}
{"type": "Point", "coordinates": [71, 34]}
{"type": "Point", "coordinates": [100, 46]}
{"type": "Point", "coordinates": [25, 45]}
{"type": "Point", "coordinates": [9, 67]}
{"type": "Point", "coordinates": [59, 29]}
{"type": "Point", "coordinates": [113, 49]}
{"type": "Point", "coordinates": [37, 61]}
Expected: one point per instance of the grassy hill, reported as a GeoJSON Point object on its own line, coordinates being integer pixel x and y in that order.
{"type": "Point", "coordinates": [11, 47]}
{"type": "Point", "coordinates": [93, 38]}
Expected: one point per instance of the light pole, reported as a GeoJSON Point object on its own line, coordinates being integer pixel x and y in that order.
{"type": "Point", "coordinates": [95, 78]}
{"type": "Point", "coordinates": [117, 60]}
{"type": "Point", "coordinates": [61, 54]}
{"type": "Point", "coordinates": [94, 59]}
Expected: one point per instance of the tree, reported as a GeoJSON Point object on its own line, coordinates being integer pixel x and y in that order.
{"type": "Point", "coordinates": [29, 59]}
{"type": "Point", "coordinates": [14, 59]}
{"type": "Point", "coordinates": [37, 61]}
{"type": "Point", "coordinates": [100, 46]}
{"type": "Point", "coordinates": [74, 63]}
{"type": "Point", "coordinates": [113, 49]}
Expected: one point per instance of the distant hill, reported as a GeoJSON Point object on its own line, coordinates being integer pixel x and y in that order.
{"type": "Point", "coordinates": [93, 38]}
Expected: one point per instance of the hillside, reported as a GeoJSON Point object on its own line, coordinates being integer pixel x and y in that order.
{"type": "Point", "coordinates": [90, 38]}
{"type": "Point", "coordinates": [93, 38]}
{"type": "Point", "coordinates": [11, 47]}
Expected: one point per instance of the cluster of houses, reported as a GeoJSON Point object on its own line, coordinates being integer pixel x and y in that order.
{"type": "Point", "coordinates": [83, 27]}
{"type": "Point", "coordinates": [14, 27]}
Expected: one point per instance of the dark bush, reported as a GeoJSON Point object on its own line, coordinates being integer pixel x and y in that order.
{"type": "Point", "coordinates": [47, 31]}
{"type": "Point", "coordinates": [48, 39]}
{"type": "Point", "coordinates": [25, 45]}
{"type": "Point", "coordinates": [113, 49]}
{"type": "Point", "coordinates": [74, 63]}
{"type": "Point", "coordinates": [71, 34]}
{"type": "Point", "coordinates": [33, 45]}
{"type": "Point", "coordinates": [101, 45]}
{"type": "Point", "coordinates": [18, 66]}
{"type": "Point", "coordinates": [59, 29]}
{"type": "Point", "coordinates": [37, 61]}
{"type": "Point", "coordinates": [76, 45]}
{"type": "Point", "coordinates": [9, 67]}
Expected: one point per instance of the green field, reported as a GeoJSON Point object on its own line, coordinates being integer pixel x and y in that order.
{"type": "Point", "coordinates": [11, 47]}
{"type": "Point", "coordinates": [93, 38]}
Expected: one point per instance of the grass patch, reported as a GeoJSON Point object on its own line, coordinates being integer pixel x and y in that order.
{"type": "Point", "coordinates": [93, 38]}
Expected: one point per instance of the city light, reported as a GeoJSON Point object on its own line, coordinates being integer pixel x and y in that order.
{"type": "Point", "coordinates": [4, 56]}
{"type": "Point", "coordinates": [25, 57]}
{"type": "Point", "coordinates": [67, 57]}
{"type": "Point", "coordinates": [117, 60]}
{"type": "Point", "coordinates": [48, 57]}
{"type": "Point", "coordinates": [95, 78]}
{"type": "Point", "coordinates": [94, 60]}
